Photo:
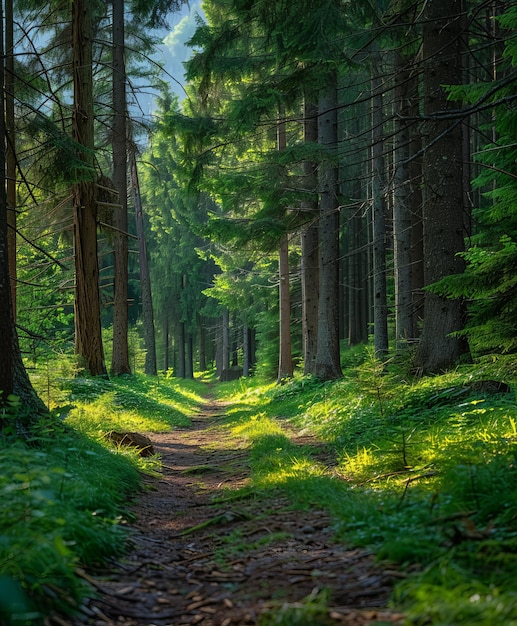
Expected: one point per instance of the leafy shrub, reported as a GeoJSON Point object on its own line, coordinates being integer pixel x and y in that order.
{"type": "Point", "coordinates": [67, 499]}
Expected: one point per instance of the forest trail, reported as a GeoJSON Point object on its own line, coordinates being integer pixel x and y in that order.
{"type": "Point", "coordinates": [195, 562]}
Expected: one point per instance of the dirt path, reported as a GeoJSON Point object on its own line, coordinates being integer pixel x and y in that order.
{"type": "Point", "coordinates": [250, 556]}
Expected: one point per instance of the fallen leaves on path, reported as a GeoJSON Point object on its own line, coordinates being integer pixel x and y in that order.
{"type": "Point", "coordinates": [193, 562]}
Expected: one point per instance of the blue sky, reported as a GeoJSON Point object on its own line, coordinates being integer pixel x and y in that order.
{"type": "Point", "coordinates": [175, 53]}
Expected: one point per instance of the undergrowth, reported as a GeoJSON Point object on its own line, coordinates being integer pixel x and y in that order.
{"type": "Point", "coordinates": [64, 506]}
{"type": "Point", "coordinates": [425, 475]}
{"type": "Point", "coordinates": [421, 471]}
{"type": "Point", "coordinates": [65, 489]}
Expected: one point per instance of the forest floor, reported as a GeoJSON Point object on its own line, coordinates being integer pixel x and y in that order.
{"type": "Point", "coordinates": [235, 561]}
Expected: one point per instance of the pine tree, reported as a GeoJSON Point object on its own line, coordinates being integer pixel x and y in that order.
{"type": "Point", "coordinates": [444, 232]}
{"type": "Point", "coordinates": [489, 283]}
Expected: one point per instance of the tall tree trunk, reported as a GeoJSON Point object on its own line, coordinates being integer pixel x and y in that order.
{"type": "Point", "coordinates": [165, 332]}
{"type": "Point", "coordinates": [404, 331]}
{"type": "Point", "coordinates": [120, 356]}
{"type": "Point", "coordinates": [380, 303]}
{"type": "Point", "coordinates": [150, 366]}
{"type": "Point", "coordinates": [245, 349]}
{"type": "Point", "coordinates": [357, 292]}
{"type": "Point", "coordinates": [328, 361]}
{"type": "Point", "coordinates": [225, 345]}
{"type": "Point", "coordinates": [189, 357]}
{"type": "Point", "coordinates": [13, 376]}
{"type": "Point", "coordinates": [202, 343]}
{"type": "Point", "coordinates": [181, 350]}
{"type": "Point", "coordinates": [415, 201]}
{"type": "Point", "coordinates": [285, 361]}
{"type": "Point", "coordinates": [443, 177]}
{"type": "Point", "coordinates": [6, 309]}
{"type": "Point", "coordinates": [88, 337]}
{"type": "Point", "coordinates": [11, 147]}
{"type": "Point", "coordinates": [309, 245]}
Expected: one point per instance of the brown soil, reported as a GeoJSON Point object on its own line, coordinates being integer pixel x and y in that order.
{"type": "Point", "coordinates": [250, 556]}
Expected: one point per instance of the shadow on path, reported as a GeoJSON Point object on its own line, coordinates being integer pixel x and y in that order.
{"type": "Point", "coordinates": [195, 562]}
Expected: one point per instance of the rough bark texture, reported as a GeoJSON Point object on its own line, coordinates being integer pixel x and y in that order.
{"type": "Point", "coordinates": [328, 365]}
{"type": "Point", "coordinates": [380, 304]}
{"type": "Point", "coordinates": [443, 200]}
{"type": "Point", "coordinates": [13, 376]}
{"type": "Point", "coordinates": [181, 370]}
{"type": "Point", "coordinates": [88, 338]}
{"type": "Point", "coordinates": [165, 337]}
{"type": "Point", "coordinates": [309, 246]}
{"type": "Point", "coordinates": [285, 362]}
{"type": "Point", "coordinates": [6, 313]}
{"type": "Point", "coordinates": [357, 293]}
{"type": "Point", "coordinates": [202, 343]}
{"type": "Point", "coordinates": [285, 359]}
{"type": "Point", "coordinates": [245, 349]}
{"type": "Point", "coordinates": [404, 331]}
{"type": "Point", "coordinates": [225, 361]}
{"type": "Point", "coordinates": [120, 355]}
{"type": "Point", "coordinates": [415, 200]}
{"type": "Point", "coordinates": [150, 367]}
{"type": "Point", "coordinates": [10, 148]}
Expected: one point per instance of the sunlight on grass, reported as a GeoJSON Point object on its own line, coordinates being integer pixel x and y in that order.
{"type": "Point", "coordinates": [421, 471]}
{"type": "Point", "coordinates": [256, 426]}
{"type": "Point", "coordinates": [275, 472]}
{"type": "Point", "coordinates": [132, 404]}
{"type": "Point", "coordinates": [426, 474]}
{"type": "Point", "coordinates": [251, 392]}
{"type": "Point", "coordinates": [135, 403]}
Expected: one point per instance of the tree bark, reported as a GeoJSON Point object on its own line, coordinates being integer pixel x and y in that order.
{"type": "Point", "coordinates": [443, 200]}
{"type": "Point", "coordinates": [285, 359]}
{"type": "Point", "coordinates": [285, 362]}
{"type": "Point", "coordinates": [88, 336]}
{"type": "Point", "coordinates": [415, 201]}
{"type": "Point", "coordinates": [11, 147]}
{"type": "Point", "coordinates": [6, 310]}
{"type": "Point", "coordinates": [380, 304]}
{"type": "Point", "coordinates": [245, 349]}
{"type": "Point", "coordinates": [202, 343]}
{"type": "Point", "coordinates": [404, 330]}
{"type": "Point", "coordinates": [225, 345]}
{"type": "Point", "coordinates": [309, 246]}
{"type": "Point", "coordinates": [165, 331]}
{"type": "Point", "coordinates": [120, 355]}
{"type": "Point", "coordinates": [181, 372]}
{"type": "Point", "coordinates": [150, 366]}
{"type": "Point", "coordinates": [13, 376]}
{"type": "Point", "coordinates": [189, 357]}
{"type": "Point", "coordinates": [328, 362]}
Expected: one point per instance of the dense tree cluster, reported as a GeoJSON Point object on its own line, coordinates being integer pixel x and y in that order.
{"type": "Point", "coordinates": [337, 171]}
{"type": "Point", "coordinates": [357, 150]}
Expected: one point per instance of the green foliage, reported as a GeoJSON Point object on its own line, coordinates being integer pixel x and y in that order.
{"type": "Point", "coordinates": [67, 487]}
{"type": "Point", "coordinates": [67, 500]}
{"type": "Point", "coordinates": [489, 283]}
{"type": "Point", "coordinates": [425, 475]}
{"type": "Point", "coordinates": [131, 403]}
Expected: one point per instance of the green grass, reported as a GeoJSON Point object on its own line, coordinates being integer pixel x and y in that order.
{"type": "Point", "coordinates": [134, 402]}
{"type": "Point", "coordinates": [426, 476]}
{"type": "Point", "coordinates": [424, 473]}
{"type": "Point", "coordinates": [66, 489]}
{"type": "Point", "coordinates": [67, 502]}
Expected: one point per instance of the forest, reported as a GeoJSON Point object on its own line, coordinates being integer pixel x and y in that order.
{"type": "Point", "coordinates": [258, 322]}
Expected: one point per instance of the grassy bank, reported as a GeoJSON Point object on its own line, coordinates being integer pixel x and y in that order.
{"type": "Point", "coordinates": [66, 489]}
{"type": "Point", "coordinates": [424, 472]}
